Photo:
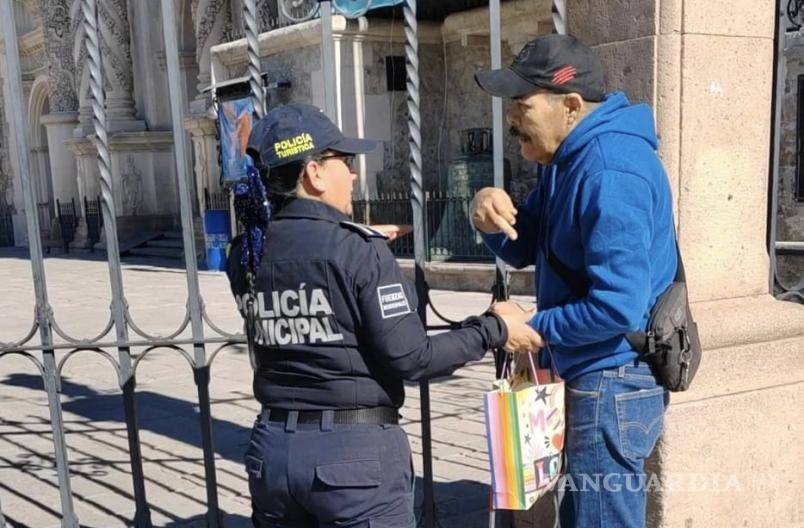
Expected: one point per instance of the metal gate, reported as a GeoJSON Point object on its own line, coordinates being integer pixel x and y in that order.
{"type": "Point", "coordinates": [121, 334]}
{"type": "Point", "coordinates": [122, 342]}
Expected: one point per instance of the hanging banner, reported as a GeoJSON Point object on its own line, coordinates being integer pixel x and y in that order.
{"type": "Point", "coordinates": [234, 121]}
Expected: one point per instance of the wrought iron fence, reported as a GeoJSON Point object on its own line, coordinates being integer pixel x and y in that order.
{"type": "Point", "coordinates": [122, 341]}
{"type": "Point", "coordinates": [68, 222]}
{"type": "Point", "coordinates": [6, 227]}
{"type": "Point", "coordinates": [448, 234]}
{"type": "Point", "coordinates": [94, 221]}
{"type": "Point", "coordinates": [216, 201]}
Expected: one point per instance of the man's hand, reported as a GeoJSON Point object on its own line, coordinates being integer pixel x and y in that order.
{"type": "Point", "coordinates": [511, 308]}
{"type": "Point", "coordinates": [521, 337]}
{"type": "Point", "coordinates": [493, 211]}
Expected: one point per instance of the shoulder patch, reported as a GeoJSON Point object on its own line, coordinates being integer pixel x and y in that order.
{"type": "Point", "coordinates": [363, 230]}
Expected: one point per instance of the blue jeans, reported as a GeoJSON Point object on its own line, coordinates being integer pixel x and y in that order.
{"type": "Point", "coordinates": [614, 418]}
{"type": "Point", "coordinates": [323, 475]}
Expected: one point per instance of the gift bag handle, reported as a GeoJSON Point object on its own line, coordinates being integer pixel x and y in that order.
{"type": "Point", "coordinates": [553, 371]}
{"type": "Point", "coordinates": [506, 370]}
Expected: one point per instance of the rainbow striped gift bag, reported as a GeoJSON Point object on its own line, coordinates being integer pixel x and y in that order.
{"type": "Point", "coordinates": [525, 433]}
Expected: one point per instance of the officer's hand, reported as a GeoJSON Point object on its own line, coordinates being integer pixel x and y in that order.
{"type": "Point", "coordinates": [493, 211]}
{"type": "Point", "coordinates": [393, 231]}
{"type": "Point", "coordinates": [521, 336]}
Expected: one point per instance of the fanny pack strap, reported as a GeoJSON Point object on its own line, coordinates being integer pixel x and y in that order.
{"type": "Point", "coordinates": [580, 287]}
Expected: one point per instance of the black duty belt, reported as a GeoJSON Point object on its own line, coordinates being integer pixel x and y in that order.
{"type": "Point", "coordinates": [369, 415]}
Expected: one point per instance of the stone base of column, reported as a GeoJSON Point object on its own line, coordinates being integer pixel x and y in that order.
{"type": "Point", "coordinates": [59, 126]}
{"type": "Point", "coordinates": [143, 179]}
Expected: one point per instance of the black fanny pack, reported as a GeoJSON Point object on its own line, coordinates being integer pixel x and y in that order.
{"type": "Point", "coordinates": [670, 344]}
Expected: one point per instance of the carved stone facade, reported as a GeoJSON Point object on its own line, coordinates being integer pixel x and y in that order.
{"type": "Point", "coordinates": [115, 34]}
{"type": "Point", "coordinates": [210, 18]}
{"type": "Point", "coordinates": [61, 66]}
{"type": "Point", "coordinates": [132, 187]}
{"type": "Point", "coordinates": [55, 79]}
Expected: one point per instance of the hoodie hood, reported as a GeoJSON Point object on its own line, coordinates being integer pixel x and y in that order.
{"type": "Point", "coordinates": [615, 114]}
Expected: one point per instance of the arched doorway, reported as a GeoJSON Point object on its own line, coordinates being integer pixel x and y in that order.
{"type": "Point", "coordinates": [40, 170]}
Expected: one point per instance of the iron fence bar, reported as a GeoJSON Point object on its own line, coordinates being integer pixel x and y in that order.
{"type": "Point", "coordinates": [145, 335]}
{"type": "Point", "coordinates": [142, 515]}
{"type": "Point", "coordinates": [64, 335]}
{"type": "Point", "coordinates": [19, 126]}
{"type": "Point", "coordinates": [235, 339]}
{"type": "Point", "coordinates": [328, 61]}
{"type": "Point", "coordinates": [419, 248]}
{"type": "Point", "coordinates": [255, 78]}
{"type": "Point", "coordinates": [500, 272]}
{"type": "Point", "coordinates": [200, 369]}
{"type": "Point", "coordinates": [784, 246]}
{"type": "Point", "coordinates": [779, 73]}
{"type": "Point", "coordinates": [500, 280]}
{"type": "Point", "coordinates": [559, 11]}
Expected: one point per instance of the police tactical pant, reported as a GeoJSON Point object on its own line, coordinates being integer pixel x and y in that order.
{"type": "Point", "coordinates": [614, 418]}
{"type": "Point", "coordinates": [321, 475]}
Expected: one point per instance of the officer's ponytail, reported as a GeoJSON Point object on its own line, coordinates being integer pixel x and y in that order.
{"type": "Point", "coordinates": [281, 183]}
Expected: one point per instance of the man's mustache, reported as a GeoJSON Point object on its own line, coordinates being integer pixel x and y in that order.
{"type": "Point", "coordinates": [515, 132]}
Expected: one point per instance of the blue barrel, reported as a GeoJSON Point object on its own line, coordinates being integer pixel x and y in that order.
{"type": "Point", "coordinates": [216, 235]}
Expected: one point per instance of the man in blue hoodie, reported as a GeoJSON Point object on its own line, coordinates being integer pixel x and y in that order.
{"type": "Point", "coordinates": [599, 229]}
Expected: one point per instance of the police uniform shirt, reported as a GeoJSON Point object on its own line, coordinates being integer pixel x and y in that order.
{"type": "Point", "coordinates": [337, 326]}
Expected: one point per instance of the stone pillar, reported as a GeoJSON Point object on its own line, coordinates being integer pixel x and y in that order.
{"type": "Point", "coordinates": [60, 126]}
{"type": "Point", "coordinates": [210, 18]}
{"type": "Point", "coordinates": [207, 170]}
{"type": "Point", "coordinates": [117, 67]}
{"type": "Point", "coordinates": [731, 450]}
{"type": "Point", "coordinates": [62, 99]}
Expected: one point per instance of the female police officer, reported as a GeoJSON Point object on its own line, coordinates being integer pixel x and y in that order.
{"type": "Point", "coordinates": [336, 333]}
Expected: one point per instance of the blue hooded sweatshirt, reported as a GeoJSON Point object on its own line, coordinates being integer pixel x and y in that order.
{"type": "Point", "coordinates": [605, 208]}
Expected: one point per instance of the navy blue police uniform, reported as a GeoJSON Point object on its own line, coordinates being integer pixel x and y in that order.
{"type": "Point", "coordinates": [336, 336]}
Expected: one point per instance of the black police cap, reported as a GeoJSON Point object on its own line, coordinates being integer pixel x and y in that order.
{"type": "Point", "coordinates": [557, 63]}
{"type": "Point", "coordinates": [295, 131]}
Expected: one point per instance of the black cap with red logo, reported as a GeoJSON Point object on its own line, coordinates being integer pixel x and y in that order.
{"type": "Point", "coordinates": [557, 63]}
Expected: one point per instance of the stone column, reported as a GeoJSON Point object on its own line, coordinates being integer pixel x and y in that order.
{"type": "Point", "coordinates": [210, 18]}
{"type": "Point", "coordinates": [207, 170]}
{"type": "Point", "coordinates": [62, 99]}
{"type": "Point", "coordinates": [117, 67]}
{"type": "Point", "coordinates": [731, 450]}
{"type": "Point", "coordinates": [60, 126]}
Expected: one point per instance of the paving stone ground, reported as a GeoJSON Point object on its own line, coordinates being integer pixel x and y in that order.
{"type": "Point", "coordinates": [78, 290]}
